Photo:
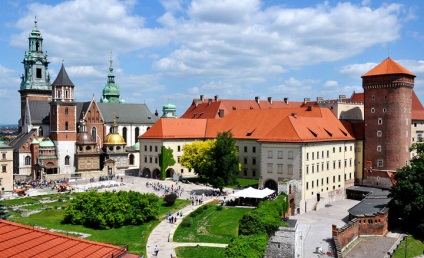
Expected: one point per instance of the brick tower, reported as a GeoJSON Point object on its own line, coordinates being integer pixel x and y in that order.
{"type": "Point", "coordinates": [387, 110]}
{"type": "Point", "coordinates": [63, 111]}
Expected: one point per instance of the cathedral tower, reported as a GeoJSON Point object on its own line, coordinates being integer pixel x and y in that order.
{"type": "Point", "coordinates": [111, 92]}
{"type": "Point", "coordinates": [387, 110]}
{"type": "Point", "coordinates": [35, 82]}
{"type": "Point", "coordinates": [63, 113]}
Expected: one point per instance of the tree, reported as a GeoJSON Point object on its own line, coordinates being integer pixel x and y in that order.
{"type": "Point", "coordinates": [216, 160]}
{"type": "Point", "coordinates": [3, 211]}
{"type": "Point", "coordinates": [166, 159]}
{"type": "Point", "coordinates": [408, 193]}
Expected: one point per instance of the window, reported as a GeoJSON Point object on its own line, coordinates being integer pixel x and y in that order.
{"type": "Point", "coordinates": [334, 179]}
{"type": "Point", "coordinates": [307, 156]}
{"type": "Point", "coordinates": [179, 148]}
{"type": "Point", "coordinates": [373, 97]}
{"type": "Point", "coordinates": [351, 147]}
{"type": "Point", "coordinates": [372, 110]}
{"type": "Point", "coordinates": [380, 121]}
{"type": "Point", "coordinates": [150, 148]}
{"type": "Point", "coordinates": [307, 185]}
{"type": "Point", "coordinates": [66, 126]}
{"type": "Point", "coordinates": [307, 169]}
{"type": "Point", "coordinates": [312, 184]}
{"type": "Point", "coordinates": [280, 169]}
{"type": "Point", "coordinates": [253, 161]}
{"type": "Point", "coordinates": [384, 110]}
{"type": "Point", "coordinates": [245, 172]}
{"type": "Point", "coordinates": [290, 155]}
{"type": "Point", "coordinates": [328, 165]}
{"type": "Point", "coordinates": [132, 159]}
{"type": "Point", "coordinates": [313, 155]}
{"type": "Point", "coordinates": [280, 154]}
{"type": "Point", "coordinates": [67, 160]}
{"type": "Point", "coordinates": [328, 154]}
{"type": "Point", "coordinates": [145, 159]}
{"type": "Point", "coordinates": [270, 154]}
{"type": "Point", "coordinates": [254, 149]}
{"type": "Point", "coordinates": [156, 148]}
{"type": "Point", "coordinates": [145, 147]}
{"type": "Point", "coordinates": [269, 166]}
{"type": "Point", "coordinates": [3, 155]}
{"type": "Point", "coordinates": [322, 166]}
{"type": "Point", "coordinates": [156, 160]}
{"type": "Point", "coordinates": [345, 148]}
{"type": "Point", "coordinates": [66, 111]}
{"type": "Point", "coordinates": [340, 163]}
{"type": "Point", "coordinates": [317, 154]}
{"type": "Point", "coordinates": [27, 160]}
{"type": "Point", "coordinates": [151, 159]}
{"type": "Point", "coordinates": [345, 163]}
{"type": "Point", "coordinates": [379, 148]}
{"type": "Point", "coordinates": [245, 148]}
{"type": "Point", "coordinates": [350, 162]}
{"type": "Point", "coordinates": [94, 133]}
{"type": "Point", "coordinates": [66, 94]}
{"type": "Point", "coordinates": [254, 172]}
{"type": "Point", "coordinates": [313, 169]}
{"type": "Point", "coordinates": [334, 149]}
{"type": "Point", "coordinates": [124, 134]}
{"type": "Point", "coordinates": [340, 149]}
{"type": "Point", "coordinates": [317, 167]}
{"type": "Point", "coordinates": [379, 163]}
{"type": "Point", "coordinates": [137, 133]}
{"type": "Point", "coordinates": [290, 169]}
{"type": "Point", "coordinates": [379, 133]}
{"type": "Point", "coordinates": [38, 73]}
{"type": "Point", "coordinates": [339, 178]}
{"type": "Point", "coordinates": [178, 159]}
{"type": "Point", "coordinates": [334, 164]}
{"type": "Point", "coordinates": [3, 168]}
{"type": "Point", "coordinates": [245, 160]}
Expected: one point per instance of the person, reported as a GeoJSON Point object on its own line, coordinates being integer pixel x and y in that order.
{"type": "Point", "coordinates": [156, 250]}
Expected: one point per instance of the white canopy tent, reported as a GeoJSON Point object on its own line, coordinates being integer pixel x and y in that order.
{"type": "Point", "coordinates": [253, 193]}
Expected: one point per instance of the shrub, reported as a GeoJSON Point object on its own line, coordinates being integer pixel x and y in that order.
{"type": "Point", "coordinates": [247, 246]}
{"type": "Point", "coordinates": [187, 222]}
{"type": "Point", "coordinates": [219, 208]}
{"type": "Point", "coordinates": [170, 199]}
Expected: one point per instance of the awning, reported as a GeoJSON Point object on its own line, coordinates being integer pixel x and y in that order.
{"type": "Point", "coordinates": [253, 193]}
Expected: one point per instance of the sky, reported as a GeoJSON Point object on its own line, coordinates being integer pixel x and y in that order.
{"type": "Point", "coordinates": [172, 51]}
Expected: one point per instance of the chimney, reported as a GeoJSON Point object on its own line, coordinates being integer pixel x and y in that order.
{"type": "Point", "coordinates": [216, 97]}
{"type": "Point", "coordinates": [306, 100]}
{"type": "Point", "coordinates": [286, 100]}
{"type": "Point", "coordinates": [209, 101]}
{"type": "Point", "coordinates": [202, 97]}
{"type": "Point", "coordinates": [320, 99]}
{"type": "Point", "coordinates": [270, 100]}
{"type": "Point", "coordinates": [294, 114]}
{"type": "Point", "coordinates": [342, 97]}
{"type": "Point", "coordinates": [257, 99]}
{"type": "Point", "coordinates": [221, 113]}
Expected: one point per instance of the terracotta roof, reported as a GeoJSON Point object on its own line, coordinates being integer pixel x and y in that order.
{"type": "Point", "coordinates": [388, 66]}
{"type": "Point", "coordinates": [209, 108]}
{"type": "Point", "coordinates": [417, 108]}
{"type": "Point", "coordinates": [17, 240]}
{"type": "Point", "coordinates": [177, 129]}
{"type": "Point", "coordinates": [357, 97]}
{"type": "Point", "coordinates": [271, 125]}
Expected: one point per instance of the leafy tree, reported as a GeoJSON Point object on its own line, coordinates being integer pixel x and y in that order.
{"type": "Point", "coordinates": [408, 194]}
{"type": "Point", "coordinates": [216, 160]}
{"type": "Point", "coordinates": [170, 199]}
{"type": "Point", "coordinates": [3, 211]}
{"type": "Point", "coordinates": [166, 159]}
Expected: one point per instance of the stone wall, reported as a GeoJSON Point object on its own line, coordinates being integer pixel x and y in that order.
{"type": "Point", "coordinates": [283, 243]}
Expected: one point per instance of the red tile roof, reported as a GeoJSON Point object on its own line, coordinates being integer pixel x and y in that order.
{"type": "Point", "coordinates": [209, 108]}
{"type": "Point", "coordinates": [270, 125]}
{"type": "Point", "coordinates": [388, 66]}
{"type": "Point", "coordinates": [17, 240]}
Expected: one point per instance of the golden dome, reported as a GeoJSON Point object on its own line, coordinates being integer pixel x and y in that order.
{"type": "Point", "coordinates": [114, 139]}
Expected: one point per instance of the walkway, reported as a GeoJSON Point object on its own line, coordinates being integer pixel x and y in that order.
{"type": "Point", "coordinates": [163, 235]}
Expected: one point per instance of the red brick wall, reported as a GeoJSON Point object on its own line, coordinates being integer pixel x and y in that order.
{"type": "Point", "coordinates": [94, 119]}
{"type": "Point", "coordinates": [58, 120]}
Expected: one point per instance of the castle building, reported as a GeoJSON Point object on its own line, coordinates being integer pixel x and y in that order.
{"type": "Point", "coordinates": [6, 166]}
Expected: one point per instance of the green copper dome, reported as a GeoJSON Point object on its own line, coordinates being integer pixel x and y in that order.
{"type": "Point", "coordinates": [111, 93]}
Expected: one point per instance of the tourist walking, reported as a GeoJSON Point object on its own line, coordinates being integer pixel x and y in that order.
{"type": "Point", "coordinates": [156, 250]}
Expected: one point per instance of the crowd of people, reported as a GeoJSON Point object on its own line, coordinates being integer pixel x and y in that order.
{"type": "Point", "coordinates": [39, 183]}
{"type": "Point", "coordinates": [159, 187]}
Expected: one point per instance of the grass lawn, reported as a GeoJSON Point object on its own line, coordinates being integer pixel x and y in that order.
{"type": "Point", "coordinates": [199, 252]}
{"type": "Point", "coordinates": [211, 226]}
{"type": "Point", "coordinates": [135, 236]}
{"type": "Point", "coordinates": [415, 248]}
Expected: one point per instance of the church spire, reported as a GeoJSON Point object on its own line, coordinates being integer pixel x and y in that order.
{"type": "Point", "coordinates": [111, 92]}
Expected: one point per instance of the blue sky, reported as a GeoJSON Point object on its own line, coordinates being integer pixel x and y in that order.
{"type": "Point", "coordinates": [178, 49]}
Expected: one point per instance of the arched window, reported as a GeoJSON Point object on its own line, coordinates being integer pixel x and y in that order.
{"type": "Point", "coordinates": [27, 160]}
{"type": "Point", "coordinates": [40, 131]}
{"type": "Point", "coordinates": [67, 160]}
{"type": "Point", "coordinates": [94, 133]}
{"type": "Point", "coordinates": [66, 111]}
{"type": "Point", "coordinates": [137, 133]}
{"type": "Point", "coordinates": [58, 93]}
{"type": "Point", "coordinates": [66, 94]}
{"type": "Point", "coordinates": [124, 134]}
{"type": "Point", "coordinates": [132, 159]}
{"type": "Point", "coordinates": [66, 126]}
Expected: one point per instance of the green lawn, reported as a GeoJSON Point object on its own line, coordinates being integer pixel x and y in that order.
{"type": "Point", "coordinates": [200, 252]}
{"type": "Point", "coordinates": [135, 236]}
{"type": "Point", "coordinates": [211, 226]}
{"type": "Point", "coordinates": [415, 248]}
